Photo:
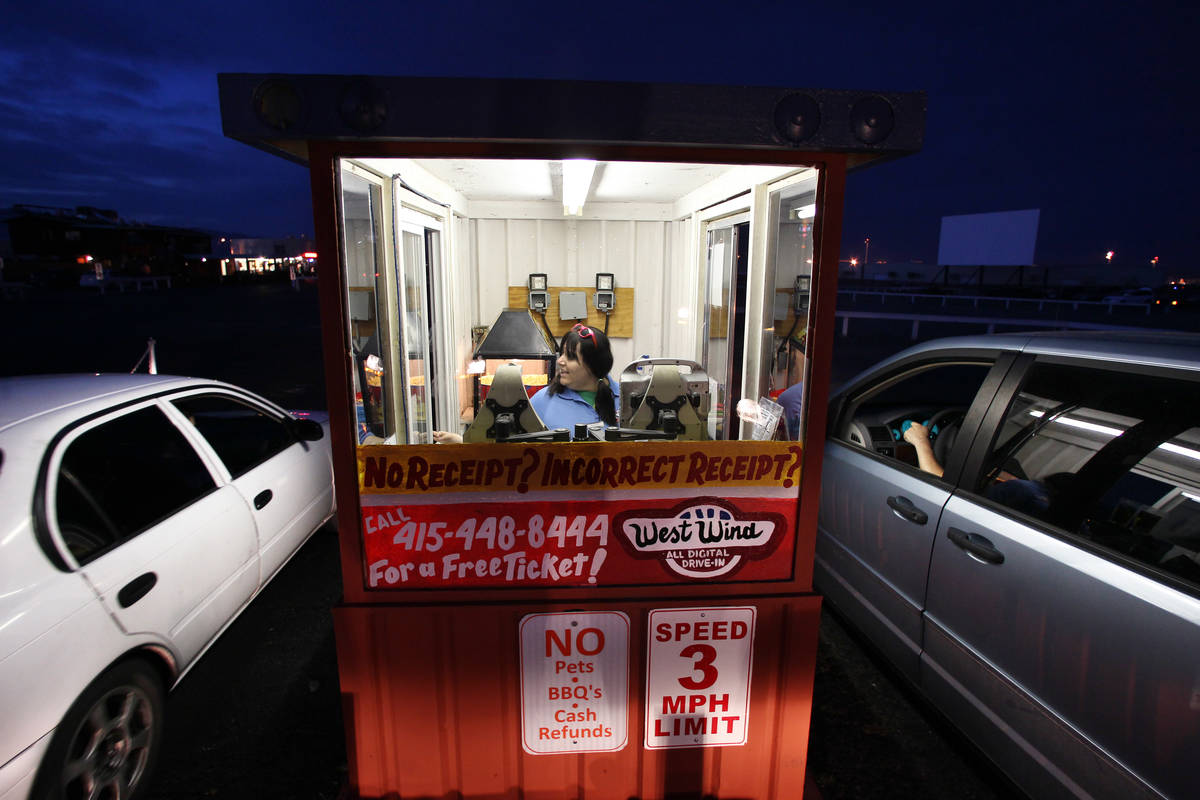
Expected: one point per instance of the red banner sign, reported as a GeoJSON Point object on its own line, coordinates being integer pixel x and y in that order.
{"type": "Point", "coordinates": [577, 515]}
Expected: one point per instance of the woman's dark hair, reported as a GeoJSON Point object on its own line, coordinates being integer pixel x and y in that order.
{"type": "Point", "coordinates": [589, 345]}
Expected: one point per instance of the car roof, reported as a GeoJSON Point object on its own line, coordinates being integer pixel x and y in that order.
{"type": "Point", "coordinates": [1178, 349]}
{"type": "Point", "coordinates": [28, 397]}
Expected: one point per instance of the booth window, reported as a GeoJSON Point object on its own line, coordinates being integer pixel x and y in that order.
{"type": "Point", "coordinates": [439, 256]}
{"type": "Point", "coordinates": [361, 218]}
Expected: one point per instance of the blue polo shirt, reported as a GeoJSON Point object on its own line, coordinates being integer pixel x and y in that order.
{"type": "Point", "coordinates": [567, 408]}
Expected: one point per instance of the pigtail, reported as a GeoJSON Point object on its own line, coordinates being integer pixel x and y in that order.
{"type": "Point", "coordinates": [605, 406]}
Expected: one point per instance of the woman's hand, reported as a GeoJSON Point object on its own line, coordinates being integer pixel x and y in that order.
{"type": "Point", "coordinates": [445, 437]}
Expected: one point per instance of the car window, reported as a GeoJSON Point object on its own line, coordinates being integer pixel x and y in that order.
{"type": "Point", "coordinates": [935, 395]}
{"type": "Point", "coordinates": [121, 477]}
{"type": "Point", "coordinates": [242, 434]}
{"type": "Point", "coordinates": [1110, 457]}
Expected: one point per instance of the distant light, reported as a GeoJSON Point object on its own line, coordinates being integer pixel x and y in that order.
{"type": "Point", "coordinates": [310, 254]}
{"type": "Point", "coordinates": [84, 260]}
{"type": "Point", "coordinates": [854, 262]}
{"type": "Point", "coordinates": [1154, 261]}
{"type": "Point", "coordinates": [204, 261]}
{"type": "Point", "coordinates": [1109, 255]}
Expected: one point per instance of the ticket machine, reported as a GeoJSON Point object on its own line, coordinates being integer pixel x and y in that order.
{"type": "Point", "coordinates": [623, 614]}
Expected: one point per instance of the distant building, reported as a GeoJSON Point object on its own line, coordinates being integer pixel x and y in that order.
{"type": "Point", "coordinates": [241, 257]}
{"type": "Point", "coordinates": [50, 245]}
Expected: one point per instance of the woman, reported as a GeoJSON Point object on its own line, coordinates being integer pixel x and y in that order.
{"type": "Point", "coordinates": [582, 391]}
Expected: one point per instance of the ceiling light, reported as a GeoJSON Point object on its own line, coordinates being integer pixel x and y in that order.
{"type": "Point", "coordinates": [576, 180]}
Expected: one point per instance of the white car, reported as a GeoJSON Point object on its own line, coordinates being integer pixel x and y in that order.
{"type": "Point", "coordinates": [139, 514]}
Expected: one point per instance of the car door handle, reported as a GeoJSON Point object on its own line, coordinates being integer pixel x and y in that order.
{"type": "Point", "coordinates": [136, 589]}
{"type": "Point", "coordinates": [262, 498]}
{"type": "Point", "coordinates": [905, 508]}
{"type": "Point", "coordinates": [976, 545]}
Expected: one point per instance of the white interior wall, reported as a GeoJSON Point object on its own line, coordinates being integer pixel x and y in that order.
{"type": "Point", "coordinates": [571, 252]}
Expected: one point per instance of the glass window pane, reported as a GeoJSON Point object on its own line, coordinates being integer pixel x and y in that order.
{"type": "Point", "coordinates": [242, 435]}
{"type": "Point", "coordinates": [124, 476]}
{"type": "Point", "coordinates": [790, 262]}
{"type": "Point", "coordinates": [1111, 458]}
{"type": "Point", "coordinates": [415, 306]}
{"type": "Point", "coordinates": [361, 202]}
{"type": "Point", "coordinates": [934, 398]}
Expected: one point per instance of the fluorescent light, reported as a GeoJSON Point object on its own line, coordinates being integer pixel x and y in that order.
{"type": "Point", "coordinates": [577, 179]}
{"type": "Point", "coordinates": [806, 212]}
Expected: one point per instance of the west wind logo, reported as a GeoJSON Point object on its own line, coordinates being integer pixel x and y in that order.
{"type": "Point", "coordinates": [702, 538]}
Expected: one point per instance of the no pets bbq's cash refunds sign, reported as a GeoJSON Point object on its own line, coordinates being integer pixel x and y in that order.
{"type": "Point", "coordinates": [577, 515]}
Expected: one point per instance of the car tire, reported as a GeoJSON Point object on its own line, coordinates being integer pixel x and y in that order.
{"type": "Point", "coordinates": [109, 740]}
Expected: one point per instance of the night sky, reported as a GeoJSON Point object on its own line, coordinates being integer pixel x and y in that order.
{"type": "Point", "coordinates": [1087, 111]}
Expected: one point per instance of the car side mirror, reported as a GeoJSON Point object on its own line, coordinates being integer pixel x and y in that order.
{"type": "Point", "coordinates": [307, 430]}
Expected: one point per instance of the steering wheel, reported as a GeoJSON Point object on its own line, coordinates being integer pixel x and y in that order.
{"type": "Point", "coordinates": [947, 422]}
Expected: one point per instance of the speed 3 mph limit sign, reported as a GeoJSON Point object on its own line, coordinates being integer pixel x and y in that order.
{"type": "Point", "coordinates": [698, 676]}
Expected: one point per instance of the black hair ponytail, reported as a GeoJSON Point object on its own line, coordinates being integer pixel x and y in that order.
{"type": "Point", "coordinates": [605, 406]}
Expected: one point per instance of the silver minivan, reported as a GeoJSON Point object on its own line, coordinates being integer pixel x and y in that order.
{"type": "Point", "coordinates": [1043, 592]}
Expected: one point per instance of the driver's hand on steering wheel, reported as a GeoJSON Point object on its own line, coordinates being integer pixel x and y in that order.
{"type": "Point", "coordinates": [916, 434]}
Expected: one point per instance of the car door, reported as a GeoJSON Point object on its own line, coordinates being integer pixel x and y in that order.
{"type": "Point", "coordinates": [1063, 617]}
{"type": "Point", "coordinates": [287, 482]}
{"type": "Point", "coordinates": [879, 511]}
{"type": "Point", "coordinates": [171, 553]}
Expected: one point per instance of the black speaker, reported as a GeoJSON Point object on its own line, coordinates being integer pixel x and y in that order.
{"type": "Point", "coordinates": [363, 106]}
{"type": "Point", "coordinates": [277, 103]}
{"type": "Point", "coordinates": [872, 119]}
{"type": "Point", "coordinates": [797, 118]}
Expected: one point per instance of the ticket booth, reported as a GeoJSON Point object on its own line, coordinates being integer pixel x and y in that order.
{"type": "Point", "coordinates": [620, 609]}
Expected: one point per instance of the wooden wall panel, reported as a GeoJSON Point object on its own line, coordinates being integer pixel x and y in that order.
{"type": "Point", "coordinates": [620, 325]}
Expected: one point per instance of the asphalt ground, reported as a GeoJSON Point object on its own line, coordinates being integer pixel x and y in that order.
{"type": "Point", "coordinates": [260, 715]}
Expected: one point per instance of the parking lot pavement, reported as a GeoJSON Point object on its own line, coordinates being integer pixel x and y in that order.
{"type": "Point", "coordinates": [873, 739]}
{"type": "Point", "coordinates": [260, 715]}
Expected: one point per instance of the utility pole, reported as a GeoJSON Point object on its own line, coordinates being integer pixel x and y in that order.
{"type": "Point", "coordinates": [866, 256]}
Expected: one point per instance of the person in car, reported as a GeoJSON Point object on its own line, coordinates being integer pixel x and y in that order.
{"type": "Point", "coordinates": [1029, 496]}
{"type": "Point", "coordinates": [582, 391]}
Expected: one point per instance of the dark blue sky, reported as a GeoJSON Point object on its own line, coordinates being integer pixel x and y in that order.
{"type": "Point", "coordinates": [1087, 111]}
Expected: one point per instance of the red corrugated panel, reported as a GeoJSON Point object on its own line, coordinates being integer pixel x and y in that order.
{"type": "Point", "coordinates": [432, 696]}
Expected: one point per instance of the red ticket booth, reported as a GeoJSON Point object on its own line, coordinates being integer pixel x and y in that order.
{"type": "Point", "coordinates": [623, 610]}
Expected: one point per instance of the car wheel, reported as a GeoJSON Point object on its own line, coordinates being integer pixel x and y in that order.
{"type": "Point", "coordinates": [109, 741]}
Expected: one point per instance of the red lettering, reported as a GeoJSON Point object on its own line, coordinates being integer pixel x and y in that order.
{"type": "Point", "coordinates": [374, 472]}
{"type": "Point", "coordinates": [418, 468]}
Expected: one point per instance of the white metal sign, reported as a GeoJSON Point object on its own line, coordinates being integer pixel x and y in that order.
{"type": "Point", "coordinates": [574, 682]}
{"type": "Point", "coordinates": [698, 676]}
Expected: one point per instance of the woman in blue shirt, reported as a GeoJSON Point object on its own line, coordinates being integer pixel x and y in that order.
{"type": "Point", "coordinates": [581, 391]}
{"type": "Point", "coordinates": [576, 395]}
